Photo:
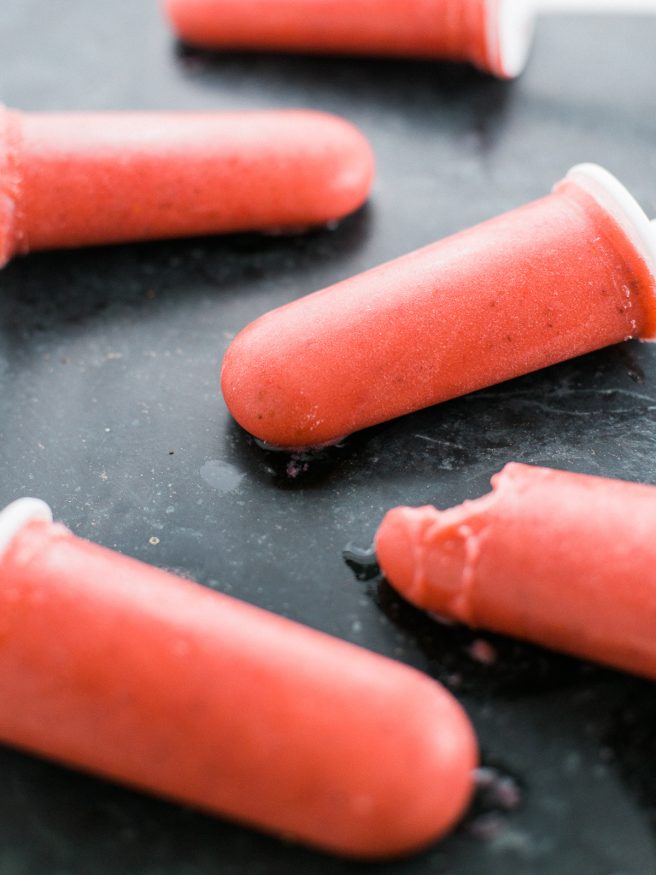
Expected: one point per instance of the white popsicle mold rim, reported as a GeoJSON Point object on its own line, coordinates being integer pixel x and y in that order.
{"type": "Point", "coordinates": [511, 26]}
{"type": "Point", "coordinates": [17, 515]}
{"type": "Point", "coordinates": [609, 192]}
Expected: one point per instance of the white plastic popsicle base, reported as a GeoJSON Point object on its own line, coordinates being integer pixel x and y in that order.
{"type": "Point", "coordinates": [17, 515]}
{"type": "Point", "coordinates": [511, 26]}
{"type": "Point", "coordinates": [609, 192]}
{"type": "Point", "coordinates": [596, 7]}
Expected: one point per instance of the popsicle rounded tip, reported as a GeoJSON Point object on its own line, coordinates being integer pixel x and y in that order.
{"type": "Point", "coordinates": [511, 28]}
{"type": "Point", "coordinates": [17, 515]}
{"type": "Point", "coordinates": [395, 546]}
{"type": "Point", "coordinates": [182, 16]}
{"type": "Point", "coordinates": [269, 392]}
{"type": "Point", "coordinates": [345, 166]}
{"type": "Point", "coordinates": [428, 807]}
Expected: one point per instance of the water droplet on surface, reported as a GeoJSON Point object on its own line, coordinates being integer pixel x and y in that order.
{"type": "Point", "coordinates": [221, 476]}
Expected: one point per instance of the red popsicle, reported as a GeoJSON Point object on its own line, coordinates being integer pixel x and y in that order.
{"type": "Point", "coordinates": [123, 670]}
{"type": "Point", "coordinates": [79, 179]}
{"type": "Point", "coordinates": [563, 560]}
{"type": "Point", "coordinates": [494, 35]}
{"type": "Point", "coordinates": [565, 275]}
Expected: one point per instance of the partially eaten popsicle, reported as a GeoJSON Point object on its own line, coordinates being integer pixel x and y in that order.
{"type": "Point", "coordinates": [563, 560]}
{"type": "Point", "coordinates": [80, 179]}
{"type": "Point", "coordinates": [494, 35]}
{"type": "Point", "coordinates": [125, 671]}
{"type": "Point", "coordinates": [565, 275]}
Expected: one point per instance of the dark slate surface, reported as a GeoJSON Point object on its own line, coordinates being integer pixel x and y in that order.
{"type": "Point", "coordinates": [110, 410]}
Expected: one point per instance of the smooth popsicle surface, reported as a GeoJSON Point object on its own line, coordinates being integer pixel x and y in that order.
{"type": "Point", "coordinates": [122, 670]}
{"type": "Point", "coordinates": [544, 283]}
{"type": "Point", "coordinates": [457, 30]}
{"type": "Point", "coordinates": [79, 179]}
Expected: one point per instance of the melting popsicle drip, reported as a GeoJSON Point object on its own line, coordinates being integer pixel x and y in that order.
{"type": "Point", "coordinates": [363, 563]}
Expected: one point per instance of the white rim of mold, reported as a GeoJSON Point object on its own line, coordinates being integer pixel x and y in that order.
{"type": "Point", "coordinates": [17, 515]}
{"type": "Point", "coordinates": [511, 27]}
{"type": "Point", "coordinates": [609, 192]}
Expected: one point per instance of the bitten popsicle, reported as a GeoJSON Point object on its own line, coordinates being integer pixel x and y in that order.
{"type": "Point", "coordinates": [565, 275]}
{"type": "Point", "coordinates": [117, 668]}
{"type": "Point", "coordinates": [494, 35]}
{"type": "Point", "coordinates": [80, 179]}
{"type": "Point", "coordinates": [563, 560]}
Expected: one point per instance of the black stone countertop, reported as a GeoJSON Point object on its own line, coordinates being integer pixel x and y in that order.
{"type": "Point", "coordinates": [110, 410]}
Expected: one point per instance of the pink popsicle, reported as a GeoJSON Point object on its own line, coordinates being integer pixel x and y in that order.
{"type": "Point", "coordinates": [494, 35]}
{"type": "Point", "coordinates": [563, 560]}
{"type": "Point", "coordinates": [565, 275]}
{"type": "Point", "coordinates": [79, 179]}
{"type": "Point", "coordinates": [117, 668]}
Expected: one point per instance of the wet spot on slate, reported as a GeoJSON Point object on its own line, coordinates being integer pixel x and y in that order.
{"type": "Point", "coordinates": [221, 476]}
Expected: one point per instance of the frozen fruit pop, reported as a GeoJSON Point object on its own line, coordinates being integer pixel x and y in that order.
{"type": "Point", "coordinates": [79, 179]}
{"type": "Point", "coordinates": [565, 275]}
{"type": "Point", "coordinates": [494, 35]}
{"type": "Point", "coordinates": [559, 559]}
{"type": "Point", "coordinates": [120, 669]}
{"type": "Point", "coordinates": [457, 30]}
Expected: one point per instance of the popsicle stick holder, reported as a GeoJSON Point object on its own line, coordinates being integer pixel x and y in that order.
{"type": "Point", "coordinates": [19, 514]}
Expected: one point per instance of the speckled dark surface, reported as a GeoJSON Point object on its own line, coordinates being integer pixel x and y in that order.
{"type": "Point", "coordinates": [110, 410]}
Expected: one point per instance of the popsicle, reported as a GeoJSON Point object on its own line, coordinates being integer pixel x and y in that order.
{"type": "Point", "coordinates": [559, 559]}
{"type": "Point", "coordinates": [79, 179]}
{"type": "Point", "coordinates": [494, 35]}
{"type": "Point", "coordinates": [117, 668]}
{"type": "Point", "coordinates": [567, 274]}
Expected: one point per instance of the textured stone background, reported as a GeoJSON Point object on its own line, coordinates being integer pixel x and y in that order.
{"type": "Point", "coordinates": [110, 410]}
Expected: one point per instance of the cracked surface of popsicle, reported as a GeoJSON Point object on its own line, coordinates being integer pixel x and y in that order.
{"type": "Point", "coordinates": [559, 559]}
{"type": "Point", "coordinates": [565, 275]}
{"type": "Point", "coordinates": [79, 179]}
{"type": "Point", "coordinates": [117, 668]}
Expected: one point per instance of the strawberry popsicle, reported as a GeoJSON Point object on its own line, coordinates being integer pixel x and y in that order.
{"type": "Point", "coordinates": [125, 671]}
{"type": "Point", "coordinates": [494, 35]}
{"type": "Point", "coordinates": [79, 179]}
{"type": "Point", "coordinates": [565, 275]}
{"type": "Point", "coordinates": [559, 559]}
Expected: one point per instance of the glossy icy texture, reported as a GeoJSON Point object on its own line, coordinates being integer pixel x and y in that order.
{"type": "Point", "coordinates": [78, 179]}
{"type": "Point", "coordinates": [125, 671]}
{"type": "Point", "coordinates": [453, 29]}
{"type": "Point", "coordinates": [563, 560]}
{"type": "Point", "coordinates": [549, 281]}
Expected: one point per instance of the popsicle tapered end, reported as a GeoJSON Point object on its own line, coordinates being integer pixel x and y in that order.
{"type": "Point", "coordinates": [18, 514]}
{"type": "Point", "coordinates": [345, 167]}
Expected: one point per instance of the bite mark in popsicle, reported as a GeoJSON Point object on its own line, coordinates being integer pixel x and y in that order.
{"type": "Point", "coordinates": [117, 668]}
{"type": "Point", "coordinates": [557, 278]}
{"type": "Point", "coordinates": [558, 559]}
{"type": "Point", "coordinates": [80, 179]}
